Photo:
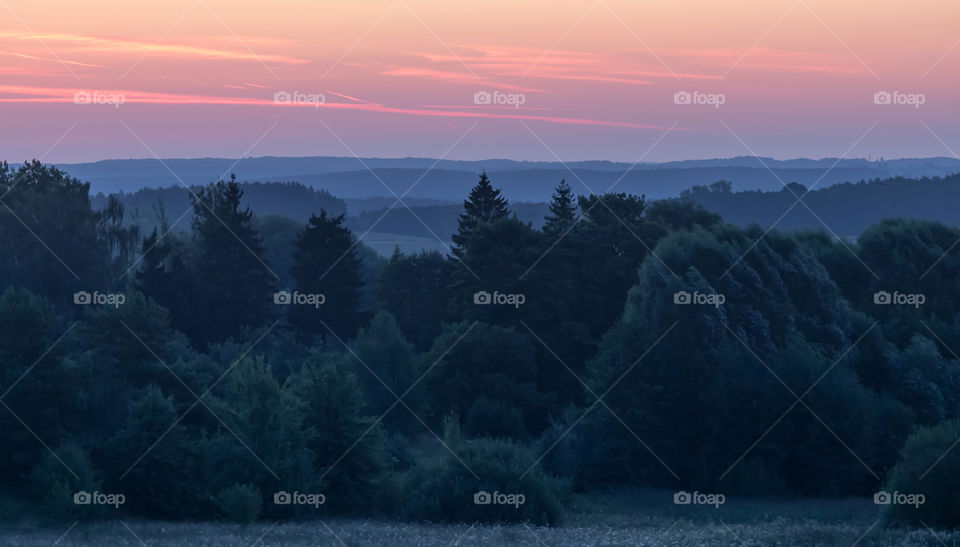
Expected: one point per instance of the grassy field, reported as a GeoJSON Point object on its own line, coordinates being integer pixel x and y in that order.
{"type": "Point", "coordinates": [384, 243]}
{"type": "Point", "coordinates": [615, 519]}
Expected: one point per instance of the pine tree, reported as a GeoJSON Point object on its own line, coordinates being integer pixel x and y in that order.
{"type": "Point", "coordinates": [165, 276]}
{"type": "Point", "coordinates": [326, 263]}
{"type": "Point", "coordinates": [415, 289]}
{"type": "Point", "coordinates": [485, 204]}
{"type": "Point", "coordinates": [562, 209]}
{"type": "Point", "coordinates": [235, 286]}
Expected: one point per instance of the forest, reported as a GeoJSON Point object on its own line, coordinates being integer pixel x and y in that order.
{"type": "Point", "coordinates": [272, 367]}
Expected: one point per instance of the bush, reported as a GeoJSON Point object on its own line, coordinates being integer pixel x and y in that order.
{"type": "Point", "coordinates": [58, 477]}
{"type": "Point", "coordinates": [494, 418]}
{"type": "Point", "coordinates": [164, 482]}
{"type": "Point", "coordinates": [929, 465]}
{"type": "Point", "coordinates": [472, 360]}
{"type": "Point", "coordinates": [348, 447]}
{"type": "Point", "coordinates": [444, 488]}
{"type": "Point", "coordinates": [241, 503]}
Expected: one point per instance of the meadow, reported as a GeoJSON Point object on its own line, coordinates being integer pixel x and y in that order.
{"type": "Point", "coordinates": [627, 517]}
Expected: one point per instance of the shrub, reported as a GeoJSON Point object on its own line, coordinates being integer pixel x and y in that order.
{"type": "Point", "coordinates": [58, 477]}
{"type": "Point", "coordinates": [472, 360]}
{"type": "Point", "coordinates": [929, 465]}
{"type": "Point", "coordinates": [264, 437]}
{"type": "Point", "coordinates": [444, 488]}
{"type": "Point", "coordinates": [348, 447]}
{"type": "Point", "coordinates": [241, 503]}
{"type": "Point", "coordinates": [164, 481]}
{"type": "Point", "coordinates": [385, 369]}
{"type": "Point", "coordinates": [494, 418]}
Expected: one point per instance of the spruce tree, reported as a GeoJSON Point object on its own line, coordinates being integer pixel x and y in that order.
{"type": "Point", "coordinates": [562, 209]}
{"type": "Point", "coordinates": [326, 263]}
{"type": "Point", "coordinates": [235, 286]}
{"type": "Point", "coordinates": [485, 204]}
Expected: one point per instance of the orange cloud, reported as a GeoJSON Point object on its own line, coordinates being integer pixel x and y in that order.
{"type": "Point", "coordinates": [36, 58]}
{"type": "Point", "coordinates": [35, 94]}
{"type": "Point", "coordinates": [456, 77]}
{"type": "Point", "coordinates": [773, 60]}
{"type": "Point", "coordinates": [126, 46]}
{"type": "Point", "coordinates": [520, 62]}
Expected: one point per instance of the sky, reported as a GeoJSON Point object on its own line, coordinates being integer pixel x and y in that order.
{"type": "Point", "coordinates": [531, 80]}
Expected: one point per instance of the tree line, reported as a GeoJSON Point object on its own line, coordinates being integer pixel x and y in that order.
{"type": "Point", "coordinates": [623, 342]}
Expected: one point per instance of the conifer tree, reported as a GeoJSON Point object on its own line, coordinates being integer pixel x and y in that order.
{"type": "Point", "coordinates": [326, 263]}
{"type": "Point", "coordinates": [485, 204]}
{"type": "Point", "coordinates": [235, 286]}
{"type": "Point", "coordinates": [562, 209]}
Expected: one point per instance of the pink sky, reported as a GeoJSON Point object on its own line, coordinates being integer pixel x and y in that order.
{"type": "Point", "coordinates": [595, 79]}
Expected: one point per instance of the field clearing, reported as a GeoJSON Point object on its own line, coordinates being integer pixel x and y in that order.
{"type": "Point", "coordinates": [382, 533]}
{"type": "Point", "coordinates": [384, 243]}
{"type": "Point", "coordinates": [617, 519]}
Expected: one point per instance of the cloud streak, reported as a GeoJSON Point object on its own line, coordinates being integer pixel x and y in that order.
{"type": "Point", "coordinates": [133, 47]}
{"type": "Point", "coordinates": [35, 94]}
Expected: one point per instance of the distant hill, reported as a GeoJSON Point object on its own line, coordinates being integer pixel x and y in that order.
{"type": "Point", "coordinates": [538, 184]}
{"type": "Point", "coordinates": [295, 201]}
{"type": "Point", "coordinates": [432, 222]}
{"type": "Point", "coordinates": [348, 178]}
{"type": "Point", "coordinates": [846, 209]}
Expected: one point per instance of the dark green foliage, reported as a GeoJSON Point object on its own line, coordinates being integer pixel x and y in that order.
{"type": "Point", "coordinates": [347, 445]}
{"type": "Point", "coordinates": [926, 382]}
{"type": "Point", "coordinates": [444, 488]}
{"type": "Point", "coordinates": [59, 475]}
{"type": "Point", "coordinates": [193, 401]}
{"type": "Point", "coordinates": [929, 465]}
{"type": "Point", "coordinates": [470, 361]}
{"type": "Point", "coordinates": [241, 503]}
{"type": "Point", "coordinates": [234, 286]}
{"type": "Point", "coordinates": [159, 479]}
{"type": "Point", "coordinates": [385, 363]}
{"type": "Point", "coordinates": [164, 275]}
{"type": "Point", "coordinates": [415, 290]}
{"type": "Point", "coordinates": [279, 235]}
{"type": "Point", "coordinates": [52, 242]}
{"type": "Point", "coordinates": [263, 432]}
{"type": "Point", "coordinates": [563, 210]}
{"type": "Point", "coordinates": [494, 418]}
{"type": "Point", "coordinates": [326, 263]}
{"type": "Point", "coordinates": [912, 257]}
{"type": "Point", "coordinates": [494, 259]}
{"type": "Point", "coordinates": [613, 238]}
{"type": "Point", "coordinates": [483, 205]}
{"type": "Point", "coordinates": [679, 214]}
{"type": "Point", "coordinates": [699, 379]}
{"type": "Point", "coordinates": [41, 387]}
